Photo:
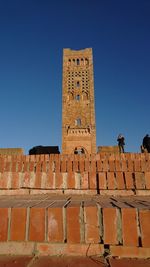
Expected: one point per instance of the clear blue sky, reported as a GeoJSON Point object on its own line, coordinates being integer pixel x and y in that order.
{"type": "Point", "coordinates": [33, 34]}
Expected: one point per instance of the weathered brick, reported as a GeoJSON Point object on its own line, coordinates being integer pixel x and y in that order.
{"type": "Point", "coordinates": [87, 165]}
{"type": "Point", "coordinates": [99, 165]}
{"type": "Point", "coordinates": [2, 164]}
{"type": "Point", "coordinates": [7, 166]}
{"type": "Point", "coordinates": [58, 180]}
{"type": "Point", "coordinates": [110, 225]}
{"type": "Point", "coordinates": [129, 180]}
{"type": "Point", "coordinates": [111, 183]}
{"type": "Point", "coordinates": [129, 252]}
{"type": "Point", "coordinates": [147, 180]}
{"type": "Point", "coordinates": [15, 181]}
{"type": "Point", "coordinates": [20, 166]}
{"type": "Point", "coordinates": [120, 180]}
{"type": "Point", "coordinates": [75, 249]}
{"type": "Point", "coordinates": [140, 180]}
{"type": "Point", "coordinates": [18, 224]}
{"type": "Point", "coordinates": [85, 180]}
{"type": "Point", "coordinates": [91, 225]}
{"type": "Point", "coordinates": [129, 227]}
{"type": "Point", "coordinates": [39, 166]}
{"type": "Point", "coordinates": [128, 262]}
{"type": "Point", "coordinates": [26, 180]}
{"type": "Point", "coordinates": [111, 165]}
{"type": "Point", "coordinates": [73, 224]}
{"type": "Point", "coordinates": [92, 179]}
{"type": "Point", "coordinates": [144, 216]}
{"type": "Point", "coordinates": [93, 166]}
{"type": "Point", "coordinates": [81, 165]}
{"type": "Point", "coordinates": [55, 225]}
{"type": "Point", "coordinates": [71, 180]}
{"type": "Point", "coordinates": [63, 165]}
{"type": "Point", "coordinates": [5, 180]}
{"type": "Point", "coordinates": [124, 165]}
{"type": "Point", "coordinates": [25, 166]}
{"type": "Point", "coordinates": [44, 166]}
{"type": "Point", "coordinates": [37, 224]}
{"type": "Point", "coordinates": [14, 166]}
{"type": "Point", "coordinates": [57, 164]}
{"type": "Point", "coordinates": [118, 165]}
{"type": "Point", "coordinates": [16, 248]}
{"type": "Point", "coordinates": [102, 180]}
{"type": "Point", "coordinates": [69, 166]}
{"type": "Point", "coordinates": [3, 224]}
{"type": "Point", "coordinates": [137, 165]}
{"type": "Point", "coordinates": [130, 165]}
{"type": "Point", "coordinates": [31, 166]}
{"type": "Point", "coordinates": [50, 180]}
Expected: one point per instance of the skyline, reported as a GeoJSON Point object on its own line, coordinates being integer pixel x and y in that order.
{"type": "Point", "coordinates": [33, 35]}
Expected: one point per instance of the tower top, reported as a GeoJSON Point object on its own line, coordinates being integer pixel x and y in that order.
{"type": "Point", "coordinates": [78, 108]}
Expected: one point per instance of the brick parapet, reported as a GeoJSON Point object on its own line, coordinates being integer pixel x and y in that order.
{"type": "Point", "coordinates": [75, 205]}
{"type": "Point", "coordinates": [104, 174]}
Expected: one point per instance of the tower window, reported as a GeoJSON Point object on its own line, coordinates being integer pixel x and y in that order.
{"type": "Point", "coordinates": [78, 122]}
{"type": "Point", "coordinates": [77, 97]}
{"type": "Point", "coordinates": [78, 61]}
{"type": "Point", "coordinates": [78, 84]}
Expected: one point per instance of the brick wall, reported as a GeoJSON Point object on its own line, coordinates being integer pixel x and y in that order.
{"type": "Point", "coordinates": [74, 228]}
{"type": "Point", "coordinates": [103, 174]}
{"type": "Point", "coordinates": [75, 205]}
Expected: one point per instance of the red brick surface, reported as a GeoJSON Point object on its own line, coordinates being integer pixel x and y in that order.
{"type": "Point", "coordinates": [37, 224]}
{"type": "Point", "coordinates": [91, 225]}
{"type": "Point", "coordinates": [76, 205]}
{"type": "Point", "coordinates": [129, 263]}
{"type": "Point", "coordinates": [55, 225]}
{"type": "Point", "coordinates": [110, 225]}
{"type": "Point", "coordinates": [18, 224]}
{"type": "Point", "coordinates": [3, 224]}
{"type": "Point", "coordinates": [123, 172]}
{"type": "Point", "coordinates": [129, 227]}
{"type": "Point", "coordinates": [145, 229]}
{"type": "Point", "coordinates": [73, 224]}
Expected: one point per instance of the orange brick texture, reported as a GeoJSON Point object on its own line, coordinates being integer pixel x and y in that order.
{"type": "Point", "coordinates": [73, 228]}
{"type": "Point", "coordinates": [109, 214]}
{"type": "Point", "coordinates": [103, 174]}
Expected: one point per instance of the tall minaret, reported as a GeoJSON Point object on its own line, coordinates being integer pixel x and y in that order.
{"type": "Point", "coordinates": [78, 108]}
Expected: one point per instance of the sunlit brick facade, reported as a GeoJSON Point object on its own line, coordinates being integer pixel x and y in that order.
{"type": "Point", "coordinates": [78, 108]}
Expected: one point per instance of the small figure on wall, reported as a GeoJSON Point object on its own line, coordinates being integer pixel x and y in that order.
{"type": "Point", "coordinates": [121, 143]}
{"type": "Point", "coordinates": [146, 142]}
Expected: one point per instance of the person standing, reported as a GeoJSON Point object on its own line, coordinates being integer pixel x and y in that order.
{"type": "Point", "coordinates": [121, 143]}
{"type": "Point", "coordinates": [146, 143]}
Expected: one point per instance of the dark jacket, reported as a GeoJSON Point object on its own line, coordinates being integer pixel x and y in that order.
{"type": "Point", "coordinates": [146, 141]}
{"type": "Point", "coordinates": [121, 140]}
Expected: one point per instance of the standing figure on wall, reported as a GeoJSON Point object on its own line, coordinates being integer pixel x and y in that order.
{"type": "Point", "coordinates": [146, 143]}
{"type": "Point", "coordinates": [121, 143]}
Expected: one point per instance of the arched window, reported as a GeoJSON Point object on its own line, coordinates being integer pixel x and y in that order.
{"type": "Point", "coordinates": [78, 61]}
{"type": "Point", "coordinates": [77, 97]}
{"type": "Point", "coordinates": [78, 84]}
{"type": "Point", "coordinates": [86, 62]}
{"type": "Point", "coordinates": [85, 95]}
{"type": "Point", "coordinates": [78, 122]}
{"type": "Point", "coordinates": [70, 96]}
{"type": "Point", "coordinates": [69, 62]}
{"type": "Point", "coordinates": [79, 150]}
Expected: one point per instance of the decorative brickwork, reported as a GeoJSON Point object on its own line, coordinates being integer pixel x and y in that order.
{"type": "Point", "coordinates": [75, 207]}
{"type": "Point", "coordinates": [78, 108]}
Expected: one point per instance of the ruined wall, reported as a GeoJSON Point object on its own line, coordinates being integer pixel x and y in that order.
{"type": "Point", "coordinates": [62, 205]}
{"type": "Point", "coordinates": [103, 174]}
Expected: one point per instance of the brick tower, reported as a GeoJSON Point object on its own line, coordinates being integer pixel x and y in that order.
{"type": "Point", "coordinates": [78, 108]}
